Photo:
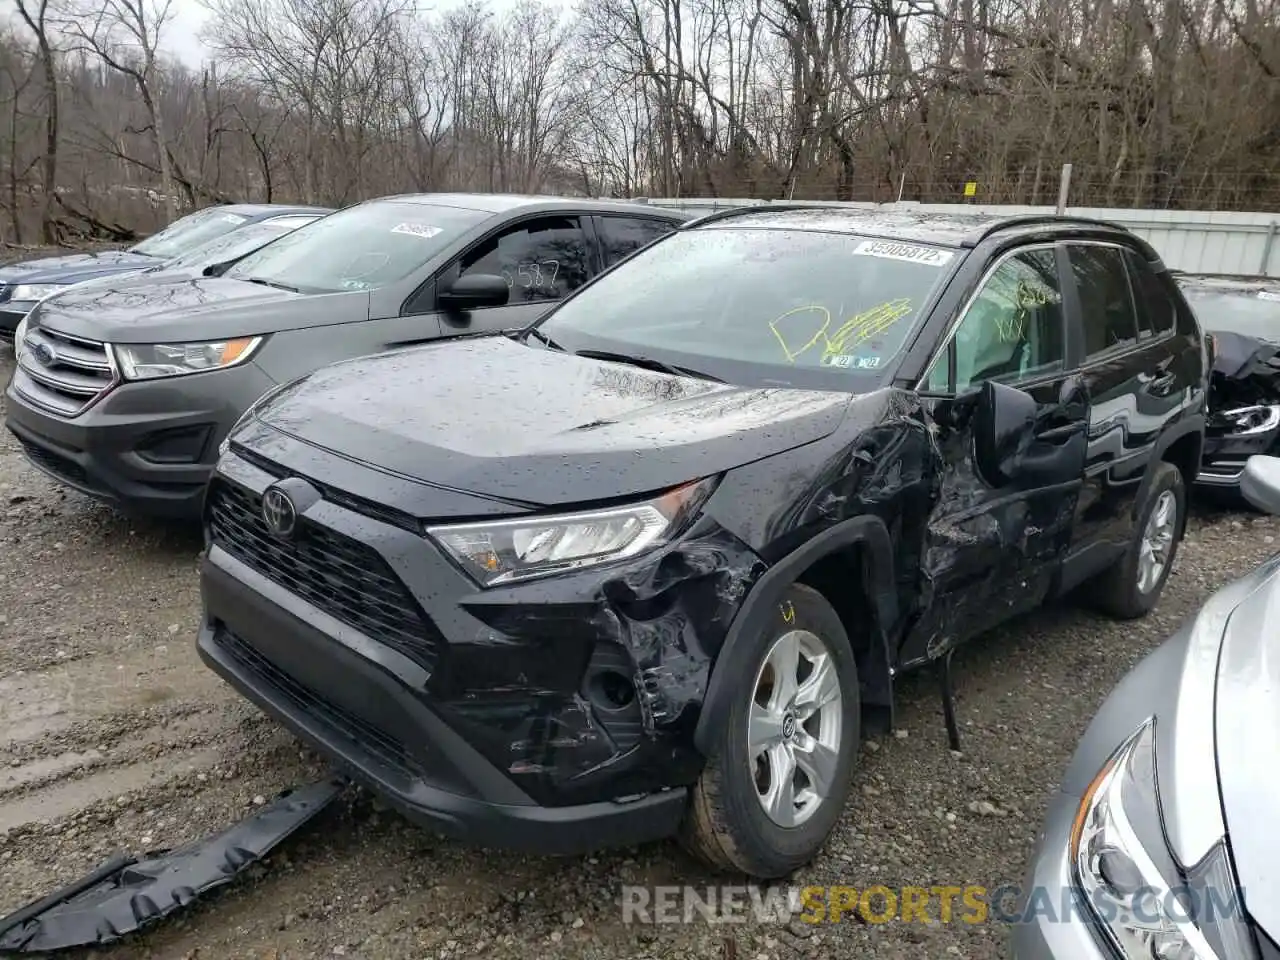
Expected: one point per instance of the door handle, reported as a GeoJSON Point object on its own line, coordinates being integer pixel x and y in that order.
{"type": "Point", "coordinates": [1060, 434]}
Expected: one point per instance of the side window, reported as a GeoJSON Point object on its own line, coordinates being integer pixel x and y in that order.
{"type": "Point", "coordinates": [1106, 301]}
{"type": "Point", "coordinates": [621, 236]}
{"type": "Point", "coordinates": [1012, 330]}
{"type": "Point", "coordinates": [543, 259]}
{"type": "Point", "coordinates": [1155, 307]}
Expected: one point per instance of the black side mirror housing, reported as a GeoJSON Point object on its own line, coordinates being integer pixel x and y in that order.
{"type": "Point", "coordinates": [216, 269]}
{"type": "Point", "coordinates": [473, 291]}
{"type": "Point", "coordinates": [1003, 422]}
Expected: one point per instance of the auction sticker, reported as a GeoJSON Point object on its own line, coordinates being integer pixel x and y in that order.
{"type": "Point", "coordinates": [851, 361]}
{"type": "Point", "coordinates": [417, 230]}
{"type": "Point", "coordinates": [908, 252]}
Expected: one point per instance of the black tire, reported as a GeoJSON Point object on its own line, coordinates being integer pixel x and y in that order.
{"type": "Point", "coordinates": [726, 825]}
{"type": "Point", "coordinates": [1117, 589]}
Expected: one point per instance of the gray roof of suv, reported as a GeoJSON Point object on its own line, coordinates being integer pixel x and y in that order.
{"type": "Point", "coordinates": [506, 202]}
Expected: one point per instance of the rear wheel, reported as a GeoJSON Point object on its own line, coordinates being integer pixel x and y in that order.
{"type": "Point", "coordinates": [1132, 588]}
{"type": "Point", "coordinates": [777, 780]}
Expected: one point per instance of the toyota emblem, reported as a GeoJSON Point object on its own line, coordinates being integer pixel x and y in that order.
{"type": "Point", "coordinates": [279, 512]}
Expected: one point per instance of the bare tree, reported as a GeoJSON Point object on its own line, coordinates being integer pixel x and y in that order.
{"type": "Point", "coordinates": [35, 14]}
{"type": "Point", "coordinates": [125, 35]}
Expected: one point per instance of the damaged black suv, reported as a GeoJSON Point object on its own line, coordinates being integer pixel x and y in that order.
{"type": "Point", "coordinates": [652, 565]}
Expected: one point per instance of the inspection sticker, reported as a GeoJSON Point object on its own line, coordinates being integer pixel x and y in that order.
{"type": "Point", "coordinates": [910, 252]}
{"type": "Point", "coordinates": [851, 361]}
{"type": "Point", "coordinates": [417, 230]}
{"type": "Point", "coordinates": [1268, 295]}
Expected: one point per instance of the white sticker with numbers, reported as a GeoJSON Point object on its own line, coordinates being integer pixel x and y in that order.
{"type": "Point", "coordinates": [908, 252]}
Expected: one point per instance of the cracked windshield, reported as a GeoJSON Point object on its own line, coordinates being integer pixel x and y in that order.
{"type": "Point", "coordinates": [778, 305]}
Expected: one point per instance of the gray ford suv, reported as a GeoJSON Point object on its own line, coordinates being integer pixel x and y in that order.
{"type": "Point", "coordinates": [126, 393]}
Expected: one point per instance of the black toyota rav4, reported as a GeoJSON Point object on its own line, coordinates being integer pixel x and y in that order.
{"type": "Point", "coordinates": [652, 565]}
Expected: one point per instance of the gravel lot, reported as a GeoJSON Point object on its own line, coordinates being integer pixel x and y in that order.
{"type": "Point", "coordinates": [113, 736]}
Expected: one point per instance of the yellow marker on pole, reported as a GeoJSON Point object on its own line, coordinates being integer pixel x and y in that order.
{"type": "Point", "coordinates": [971, 189]}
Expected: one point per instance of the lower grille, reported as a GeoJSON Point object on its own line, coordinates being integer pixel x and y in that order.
{"type": "Point", "coordinates": [343, 577]}
{"type": "Point", "coordinates": [369, 739]}
{"type": "Point", "coordinates": [58, 465]}
{"type": "Point", "coordinates": [61, 373]}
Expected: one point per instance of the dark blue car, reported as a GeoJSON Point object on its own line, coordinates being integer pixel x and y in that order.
{"type": "Point", "coordinates": [25, 282]}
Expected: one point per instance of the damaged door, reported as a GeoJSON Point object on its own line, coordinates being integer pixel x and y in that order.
{"type": "Point", "coordinates": [1010, 421]}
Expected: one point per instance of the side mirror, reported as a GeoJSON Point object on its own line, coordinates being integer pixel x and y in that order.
{"type": "Point", "coordinates": [1260, 483]}
{"type": "Point", "coordinates": [1002, 425]}
{"type": "Point", "coordinates": [474, 290]}
{"type": "Point", "coordinates": [216, 269]}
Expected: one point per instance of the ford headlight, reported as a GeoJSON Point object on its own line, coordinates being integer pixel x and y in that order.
{"type": "Point", "coordinates": [1148, 907]}
{"type": "Point", "coordinates": [35, 291]}
{"type": "Point", "coordinates": [149, 361]}
{"type": "Point", "coordinates": [504, 551]}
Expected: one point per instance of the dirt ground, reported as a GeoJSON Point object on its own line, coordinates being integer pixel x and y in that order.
{"type": "Point", "coordinates": [114, 736]}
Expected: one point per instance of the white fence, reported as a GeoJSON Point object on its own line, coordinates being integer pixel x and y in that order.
{"type": "Point", "coordinates": [1191, 240]}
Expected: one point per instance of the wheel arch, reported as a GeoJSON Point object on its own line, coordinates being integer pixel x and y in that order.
{"type": "Point", "coordinates": [864, 540]}
{"type": "Point", "coordinates": [1183, 447]}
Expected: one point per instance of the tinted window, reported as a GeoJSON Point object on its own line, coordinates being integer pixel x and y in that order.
{"type": "Point", "coordinates": [1105, 299]}
{"type": "Point", "coordinates": [1155, 308]}
{"type": "Point", "coordinates": [542, 259]}
{"type": "Point", "coordinates": [359, 248]}
{"type": "Point", "coordinates": [781, 306]}
{"type": "Point", "coordinates": [1012, 330]}
{"type": "Point", "coordinates": [622, 236]}
{"type": "Point", "coordinates": [191, 231]}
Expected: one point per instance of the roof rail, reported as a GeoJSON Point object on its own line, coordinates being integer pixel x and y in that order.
{"type": "Point", "coordinates": [717, 215]}
{"type": "Point", "coordinates": [1031, 219]}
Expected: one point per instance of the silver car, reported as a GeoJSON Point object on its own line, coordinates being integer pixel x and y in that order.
{"type": "Point", "coordinates": [1161, 842]}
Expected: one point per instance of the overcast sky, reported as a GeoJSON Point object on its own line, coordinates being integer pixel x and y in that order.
{"type": "Point", "coordinates": [181, 37]}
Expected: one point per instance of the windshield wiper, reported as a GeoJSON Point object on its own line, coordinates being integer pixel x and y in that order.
{"type": "Point", "coordinates": [271, 283]}
{"type": "Point", "coordinates": [648, 363]}
{"type": "Point", "coordinates": [535, 332]}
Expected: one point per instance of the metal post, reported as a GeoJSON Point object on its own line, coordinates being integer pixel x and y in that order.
{"type": "Point", "coordinates": [1272, 228]}
{"type": "Point", "coordinates": [902, 184]}
{"type": "Point", "coordinates": [1063, 188]}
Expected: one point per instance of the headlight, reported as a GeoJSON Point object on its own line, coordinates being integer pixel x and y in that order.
{"type": "Point", "coordinates": [504, 551]}
{"type": "Point", "coordinates": [35, 291]}
{"type": "Point", "coordinates": [152, 360]}
{"type": "Point", "coordinates": [1250, 421]}
{"type": "Point", "coordinates": [1149, 908]}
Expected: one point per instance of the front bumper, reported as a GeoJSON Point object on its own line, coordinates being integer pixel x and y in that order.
{"type": "Point", "coordinates": [148, 447]}
{"type": "Point", "coordinates": [479, 713]}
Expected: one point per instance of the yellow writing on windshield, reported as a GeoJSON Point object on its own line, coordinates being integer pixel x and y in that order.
{"type": "Point", "coordinates": [816, 323]}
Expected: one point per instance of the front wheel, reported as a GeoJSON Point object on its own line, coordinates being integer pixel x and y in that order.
{"type": "Point", "coordinates": [1132, 588]}
{"type": "Point", "coordinates": [777, 780]}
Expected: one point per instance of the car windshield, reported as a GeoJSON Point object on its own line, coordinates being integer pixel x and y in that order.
{"type": "Point", "coordinates": [1252, 313]}
{"type": "Point", "coordinates": [777, 306]}
{"type": "Point", "coordinates": [189, 232]}
{"type": "Point", "coordinates": [359, 248]}
{"type": "Point", "coordinates": [233, 245]}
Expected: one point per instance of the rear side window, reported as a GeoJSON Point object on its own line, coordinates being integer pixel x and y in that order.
{"type": "Point", "coordinates": [1155, 308]}
{"type": "Point", "coordinates": [622, 236]}
{"type": "Point", "coordinates": [1106, 302]}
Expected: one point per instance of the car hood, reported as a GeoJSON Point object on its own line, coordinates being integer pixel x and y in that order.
{"type": "Point", "coordinates": [74, 267]}
{"type": "Point", "coordinates": [139, 310]}
{"type": "Point", "coordinates": [1246, 371]}
{"type": "Point", "coordinates": [496, 418]}
{"type": "Point", "coordinates": [1247, 740]}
